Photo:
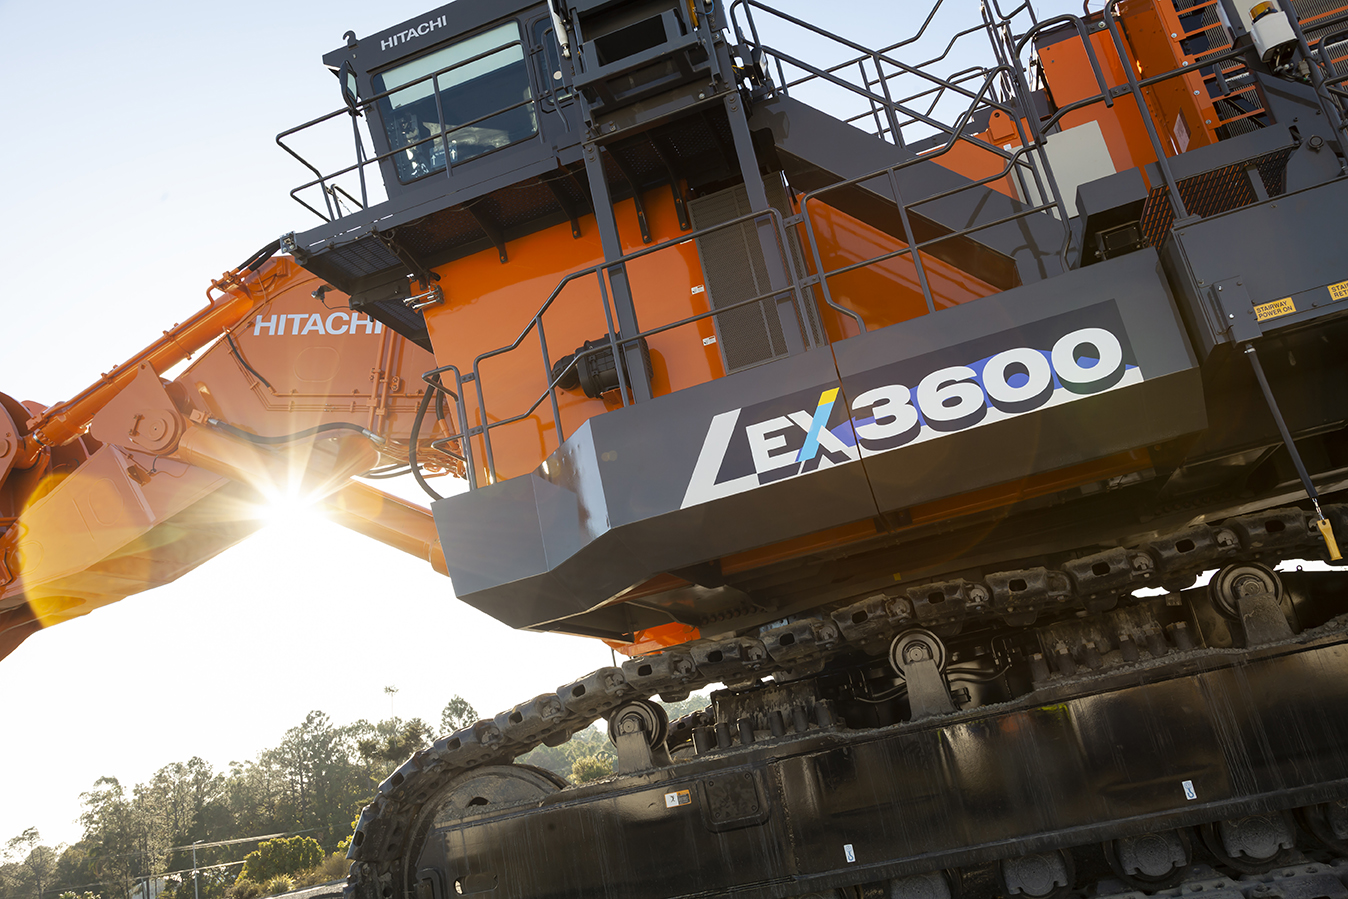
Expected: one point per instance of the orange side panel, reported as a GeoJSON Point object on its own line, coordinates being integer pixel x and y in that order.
{"type": "Point", "coordinates": [657, 638]}
{"type": "Point", "coordinates": [490, 304]}
{"type": "Point", "coordinates": [1180, 106]}
{"type": "Point", "coordinates": [1070, 78]}
{"type": "Point", "coordinates": [882, 293]}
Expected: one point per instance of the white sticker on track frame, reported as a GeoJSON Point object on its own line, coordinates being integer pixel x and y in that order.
{"type": "Point", "coordinates": [1189, 792]}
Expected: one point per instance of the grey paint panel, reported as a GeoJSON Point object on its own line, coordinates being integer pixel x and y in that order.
{"type": "Point", "coordinates": [728, 466]}
{"type": "Point", "coordinates": [1130, 291]}
{"type": "Point", "coordinates": [1291, 246]}
{"type": "Point", "coordinates": [604, 513]}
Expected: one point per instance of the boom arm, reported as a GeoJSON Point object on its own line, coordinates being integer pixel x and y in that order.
{"type": "Point", "coordinates": [137, 480]}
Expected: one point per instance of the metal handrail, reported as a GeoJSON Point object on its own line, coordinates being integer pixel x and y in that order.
{"type": "Point", "coordinates": [1324, 91]}
{"type": "Point", "coordinates": [616, 343]}
{"type": "Point", "coordinates": [882, 100]}
{"type": "Point", "coordinates": [366, 105]}
{"type": "Point", "coordinates": [912, 245]}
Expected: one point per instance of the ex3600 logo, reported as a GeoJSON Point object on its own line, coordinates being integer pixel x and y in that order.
{"type": "Point", "coordinates": [1048, 363]}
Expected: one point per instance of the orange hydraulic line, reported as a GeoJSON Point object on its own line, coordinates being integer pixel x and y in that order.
{"type": "Point", "coordinates": [64, 422]}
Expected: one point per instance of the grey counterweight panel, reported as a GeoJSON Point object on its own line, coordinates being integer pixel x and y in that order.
{"type": "Point", "coordinates": [1032, 380]}
{"type": "Point", "coordinates": [610, 513]}
{"type": "Point", "coordinates": [1153, 393]}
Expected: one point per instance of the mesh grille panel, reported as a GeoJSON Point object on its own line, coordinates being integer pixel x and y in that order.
{"type": "Point", "coordinates": [364, 257]}
{"type": "Point", "coordinates": [1308, 9]}
{"type": "Point", "coordinates": [733, 264]}
{"type": "Point", "coordinates": [1210, 193]}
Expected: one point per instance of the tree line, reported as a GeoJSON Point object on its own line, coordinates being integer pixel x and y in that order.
{"type": "Point", "coordinates": [138, 842]}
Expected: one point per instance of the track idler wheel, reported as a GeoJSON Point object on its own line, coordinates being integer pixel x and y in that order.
{"type": "Point", "coordinates": [481, 792]}
{"type": "Point", "coordinates": [1150, 861]}
{"type": "Point", "coordinates": [1253, 844]}
{"type": "Point", "coordinates": [1328, 823]}
{"type": "Point", "coordinates": [1045, 875]}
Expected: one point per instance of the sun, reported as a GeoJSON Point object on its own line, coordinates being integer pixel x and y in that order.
{"type": "Point", "coordinates": [289, 510]}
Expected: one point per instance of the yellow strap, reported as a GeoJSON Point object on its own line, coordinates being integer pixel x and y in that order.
{"type": "Point", "coordinates": [1327, 532]}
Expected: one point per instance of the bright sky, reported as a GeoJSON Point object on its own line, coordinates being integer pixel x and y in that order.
{"type": "Point", "coordinates": [140, 163]}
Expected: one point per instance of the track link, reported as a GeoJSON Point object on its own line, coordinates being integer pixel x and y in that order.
{"type": "Point", "coordinates": [1094, 583]}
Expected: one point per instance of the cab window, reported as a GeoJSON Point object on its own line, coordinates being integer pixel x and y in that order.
{"type": "Point", "coordinates": [485, 103]}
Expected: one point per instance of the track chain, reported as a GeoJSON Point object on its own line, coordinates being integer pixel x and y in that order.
{"type": "Point", "coordinates": [802, 646]}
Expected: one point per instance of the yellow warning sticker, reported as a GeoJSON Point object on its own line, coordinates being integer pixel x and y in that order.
{"type": "Point", "coordinates": [678, 798]}
{"type": "Point", "coordinates": [1339, 291]}
{"type": "Point", "coordinates": [1273, 310]}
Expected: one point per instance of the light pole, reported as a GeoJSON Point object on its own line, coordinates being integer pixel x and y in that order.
{"type": "Point", "coordinates": [196, 890]}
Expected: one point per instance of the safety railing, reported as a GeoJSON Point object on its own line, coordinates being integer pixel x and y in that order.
{"type": "Point", "coordinates": [1001, 85]}
{"type": "Point", "coordinates": [1324, 77]}
{"type": "Point", "coordinates": [891, 96]}
{"type": "Point", "coordinates": [613, 342]}
{"type": "Point", "coordinates": [366, 108]}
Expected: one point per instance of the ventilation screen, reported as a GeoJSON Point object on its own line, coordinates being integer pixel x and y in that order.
{"type": "Point", "coordinates": [734, 268]}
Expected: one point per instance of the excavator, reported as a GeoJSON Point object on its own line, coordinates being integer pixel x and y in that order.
{"type": "Point", "coordinates": [901, 398]}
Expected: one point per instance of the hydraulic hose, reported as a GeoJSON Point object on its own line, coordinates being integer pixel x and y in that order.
{"type": "Point", "coordinates": [298, 435]}
{"type": "Point", "coordinates": [412, 442]}
{"type": "Point", "coordinates": [261, 256]}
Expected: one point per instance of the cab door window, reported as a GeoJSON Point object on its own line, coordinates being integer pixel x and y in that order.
{"type": "Point", "coordinates": [484, 103]}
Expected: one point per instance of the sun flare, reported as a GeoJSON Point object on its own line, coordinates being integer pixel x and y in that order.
{"type": "Point", "coordinates": [289, 510]}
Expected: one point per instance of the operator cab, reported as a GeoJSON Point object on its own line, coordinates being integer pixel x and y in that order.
{"type": "Point", "coordinates": [478, 117]}
{"type": "Point", "coordinates": [468, 116]}
{"type": "Point", "coordinates": [455, 86]}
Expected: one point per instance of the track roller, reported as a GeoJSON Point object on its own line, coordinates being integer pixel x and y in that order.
{"type": "Point", "coordinates": [1328, 823]}
{"type": "Point", "coordinates": [639, 728]}
{"type": "Point", "coordinates": [1251, 594]}
{"type": "Point", "coordinates": [1253, 844]}
{"type": "Point", "coordinates": [1045, 875]}
{"type": "Point", "coordinates": [918, 656]}
{"type": "Point", "coordinates": [1150, 861]}
{"type": "Point", "coordinates": [932, 885]}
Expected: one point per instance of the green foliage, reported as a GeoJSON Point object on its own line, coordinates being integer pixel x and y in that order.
{"type": "Point", "coordinates": [275, 886]}
{"type": "Point", "coordinates": [592, 742]}
{"type": "Point", "coordinates": [31, 867]}
{"type": "Point", "coordinates": [334, 867]}
{"type": "Point", "coordinates": [313, 782]}
{"type": "Point", "coordinates": [398, 745]}
{"type": "Point", "coordinates": [282, 857]}
{"type": "Point", "coordinates": [591, 767]}
{"type": "Point", "coordinates": [458, 714]}
{"type": "Point", "coordinates": [244, 888]}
